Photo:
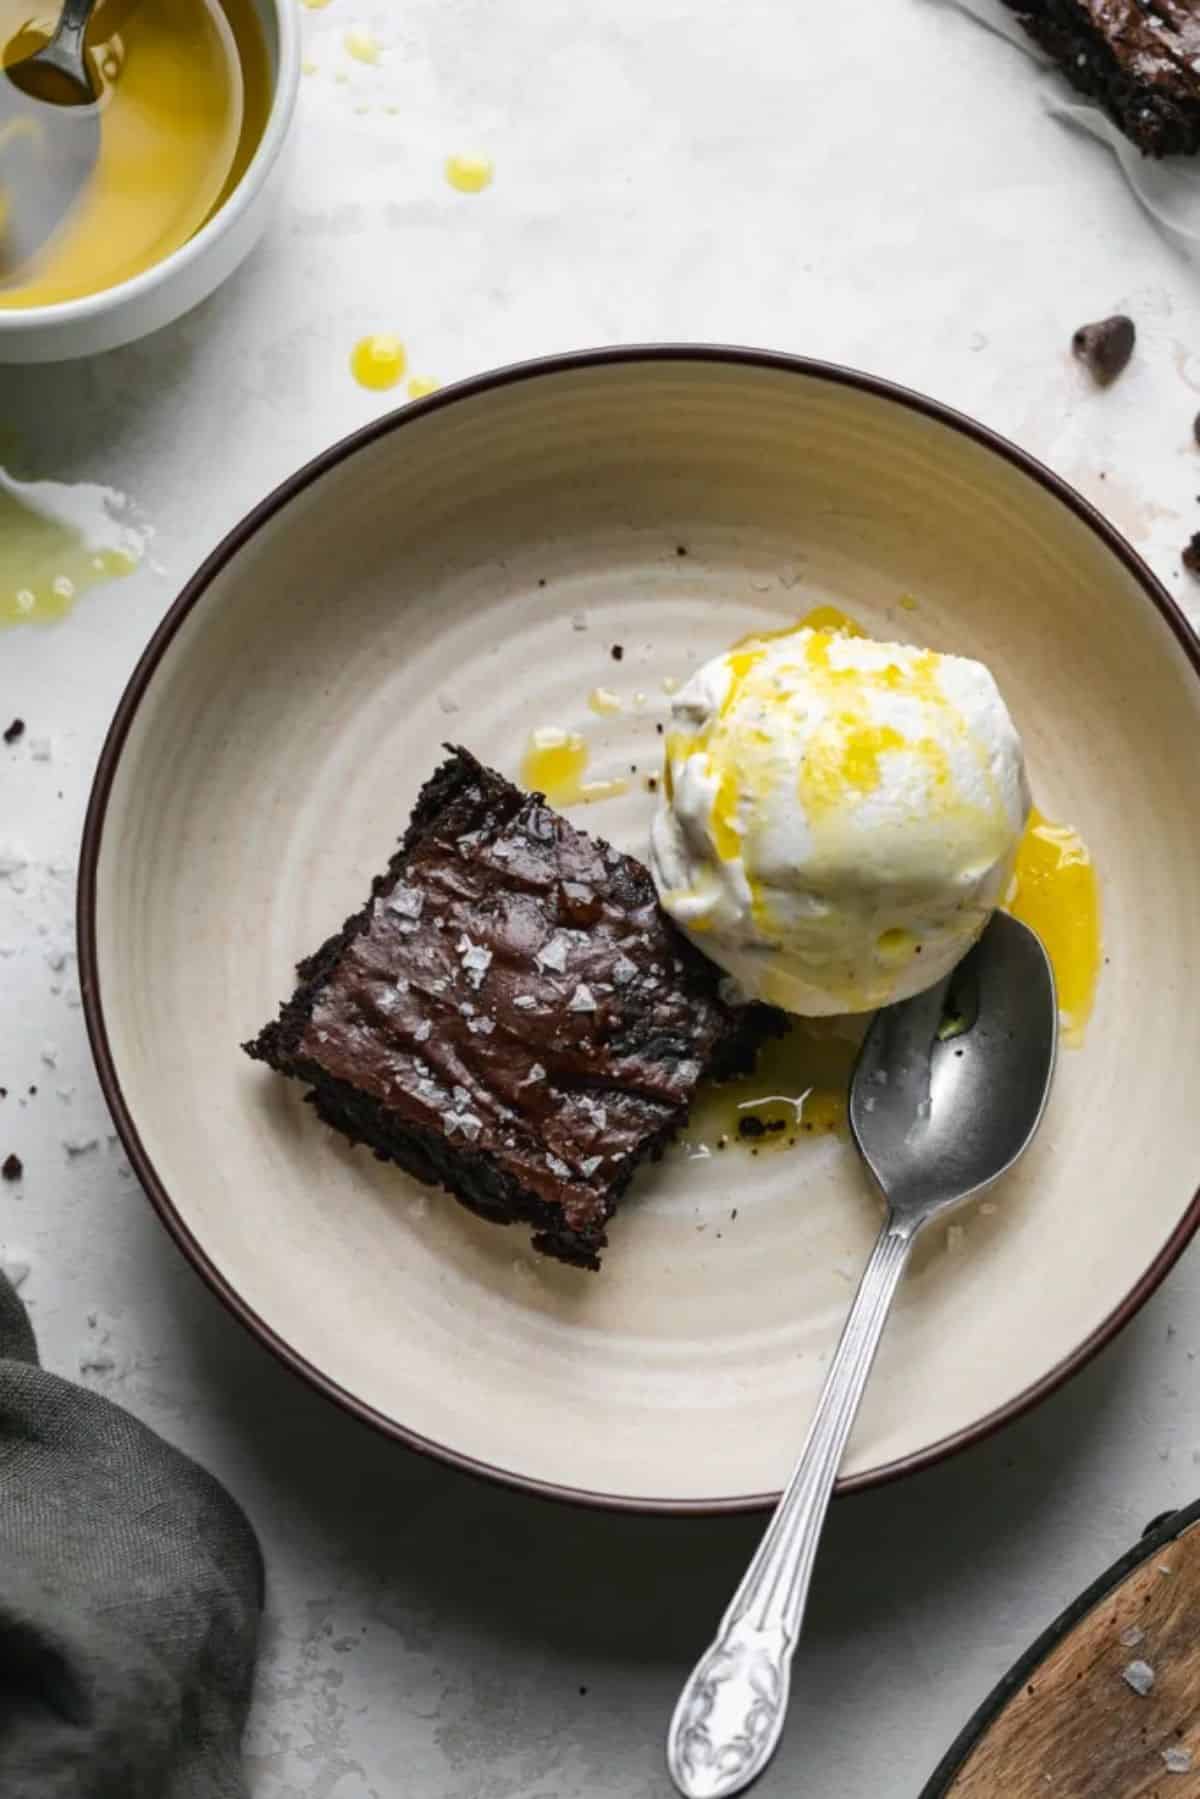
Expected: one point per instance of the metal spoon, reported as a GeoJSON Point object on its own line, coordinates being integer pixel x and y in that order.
{"type": "Point", "coordinates": [947, 1093]}
{"type": "Point", "coordinates": [49, 139]}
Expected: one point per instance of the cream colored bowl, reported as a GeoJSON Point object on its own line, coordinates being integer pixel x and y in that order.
{"type": "Point", "coordinates": [164, 292]}
{"type": "Point", "coordinates": [461, 570]}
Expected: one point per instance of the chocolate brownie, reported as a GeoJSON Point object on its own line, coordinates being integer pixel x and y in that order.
{"type": "Point", "coordinates": [1139, 58]}
{"type": "Point", "coordinates": [511, 1015]}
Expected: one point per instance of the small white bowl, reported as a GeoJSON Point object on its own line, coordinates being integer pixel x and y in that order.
{"type": "Point", "coordinates": [180, 281]}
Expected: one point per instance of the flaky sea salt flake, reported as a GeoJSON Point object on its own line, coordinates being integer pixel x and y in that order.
{"type": "Point", "coordinates": [1139, 1676]}
{"type": "Point", "coordinates": [582, 1000]}
{"type": "Point", "coordinates": [553, 955]}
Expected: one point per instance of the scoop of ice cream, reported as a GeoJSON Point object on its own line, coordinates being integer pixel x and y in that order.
{"type": "Point", "coordinates": [839, 817]}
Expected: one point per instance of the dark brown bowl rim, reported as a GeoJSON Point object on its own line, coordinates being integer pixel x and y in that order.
{"type": "Point", "coordinates": [139, 681]}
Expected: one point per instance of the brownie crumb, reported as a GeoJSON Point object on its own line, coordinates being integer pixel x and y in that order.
{"type": "Point", "coordinates": [1105, 347]}
{"type": "Point", "coordinates": [1191, 554]}
{"type": "Point", "coordinates": [12, 1168]}
{"type": "Point", "coordinates": [618, 652]}
{"type": "Point", "coordinates": [15, 730]}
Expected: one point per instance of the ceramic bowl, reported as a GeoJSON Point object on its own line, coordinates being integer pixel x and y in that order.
{"type": "Point", "coordinates": [462, 569]}
{"type": "Point", "coordinates": [134, 308]}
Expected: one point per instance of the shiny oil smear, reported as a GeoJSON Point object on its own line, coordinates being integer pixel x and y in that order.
{"type": "Point", "coordinates": [58, 540]}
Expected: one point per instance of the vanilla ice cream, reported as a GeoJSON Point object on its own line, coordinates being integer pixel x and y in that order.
{"type": "Point", "coordinates": [839, 816]}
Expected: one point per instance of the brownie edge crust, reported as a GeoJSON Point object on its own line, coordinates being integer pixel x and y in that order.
{"type": "Point", "coordinates": [510, 1016]}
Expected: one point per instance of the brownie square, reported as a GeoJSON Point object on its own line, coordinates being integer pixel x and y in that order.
{"type": "Point", "coordinates": [1139, 58]}
{"type": "Point", "coordinates": [511, 1016]}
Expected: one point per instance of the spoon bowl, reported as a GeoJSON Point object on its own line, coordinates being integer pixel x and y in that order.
{"type": "Point", "coordinates": [49, 139]}
{"type": "Point", "coordinates": [949, 1088]}
{"type": "Point", "coordinates": [948, 1091]}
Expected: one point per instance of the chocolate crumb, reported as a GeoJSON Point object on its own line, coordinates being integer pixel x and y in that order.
{"type": "Point", "coordinates": [541, 580]}
{"type": "Point", "coordinates": [681, 549]}
{"type": "Point", "coordinates": [1105, 347]}
{"type": "Point", "coordinates": [32, 1092]}
{"type": "Point", "coordinates": [617, 652]}
{"type": "Point", "coordinates": [15, 730]}
{"type": "Point", "coordinates": [751, 1127]}
{"type": "Point", "coordinates": [12, 1168]}
{"type": "Point", "coordinates": [1191, 554]}
{"type": "Point", "coordinates": [651, 783]}
{"type": "Point", "coordinates": [658, 728]}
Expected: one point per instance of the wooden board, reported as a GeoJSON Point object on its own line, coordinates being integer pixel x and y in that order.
{"type": "Point", "coordinates": [1065, 1724]}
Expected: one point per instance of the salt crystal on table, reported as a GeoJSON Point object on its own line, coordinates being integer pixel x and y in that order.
{"type": "Point", "coordinates": [1139, 1676]}
{"type": "Point", "coordinates": [1132, 1635]}
{"type": "Point", "coordinates": [1178, 1761]}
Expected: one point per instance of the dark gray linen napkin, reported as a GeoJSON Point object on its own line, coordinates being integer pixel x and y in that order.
{"type": "Point", "coordinates": [130, 1593]}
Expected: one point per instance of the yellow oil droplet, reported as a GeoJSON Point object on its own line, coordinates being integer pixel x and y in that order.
{"type": "Point", "coordinates": [420, 385]}
{"type": "Point", "coordinates": [554, 763]}
{"type": "Point", "coordinates": [1057, 894]}
{"type": "Point", "coordinates": [604, 702]}
{"type": "Point", "coordinates": [315, 5]}
{"type": "Point", "coordinates": [359, 43]}
{"type": "Point", "coordinates": [831, 618]}
{"type": "Point", "coordinates": [907, 602]}
{"type": "Point", "coordinates": [638, 701]}
{"type": "Point", "coordinates": [49, 550]}
{"type": "Point", "coordinates": [379, 361]}
{"type": "Point", "coordinates": [670, 684]}
{"type": "Point", "coordinates": [308, 66]}
{"type": "Point", "coordinates": [469, 174]}
{"type": "Point", "coordinates": [798, 1091]}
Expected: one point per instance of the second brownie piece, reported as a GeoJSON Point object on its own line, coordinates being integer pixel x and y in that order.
{"type": "Point", "coordinates": [1139, 58]}
{"type": "Point", "coordinates": [511, 1015]}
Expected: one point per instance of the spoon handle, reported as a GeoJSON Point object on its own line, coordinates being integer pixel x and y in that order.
{"type": "Point", "coordinates": [730, 1714]}
{"type": "Point", "coordinates": [72, 25]}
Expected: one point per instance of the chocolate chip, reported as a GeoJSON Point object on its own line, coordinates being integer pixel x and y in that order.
{"type": "Point", "coordinates": [617, 652]}
{"type": "Point", "coordinates": [15, 730]}
{"type": "Point", "coordinates": [1191, 554]}
{"type": "Point", "coordinates": [12, 1168]}
{"type": "Point", "coordinates": [1105, 347]}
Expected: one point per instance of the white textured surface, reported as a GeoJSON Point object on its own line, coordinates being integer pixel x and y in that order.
{"type": "Point", "coordinates": [705, 173]}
